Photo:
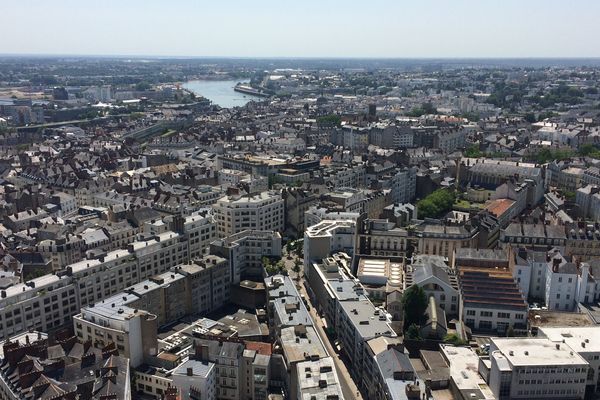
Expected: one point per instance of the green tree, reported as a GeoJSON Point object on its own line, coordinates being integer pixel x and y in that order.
{"type": "Point", "coordinates": [473, 152]}
{"type": "Point", "coordinates": [436, 203]}
{"type": "Point", "coordinates": [453, 338]}
{"type": "Point", "coordinates": [530, 117]}
{"type": "Point", "coordinates": [329, 120]}
{"type": "Point", "coordinates": [510, 332]}
{"type": "Point", "coordinates": [297, 268]}
{"type": "Point", "coordinates": [414, 304]}
{"type": "Point", "coordinates": [413, 333]}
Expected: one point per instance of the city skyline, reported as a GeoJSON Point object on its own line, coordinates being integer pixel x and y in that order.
{"type": "Point", "coordinates": [304, 30]}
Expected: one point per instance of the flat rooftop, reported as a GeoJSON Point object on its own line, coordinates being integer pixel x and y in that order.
{"type": "Point", "coordinates": [535, 351]}
{"type": "Point", "coordinates": [581, 339]}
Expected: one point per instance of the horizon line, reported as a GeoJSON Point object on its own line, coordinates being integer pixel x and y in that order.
{"type": "Point", "coordinates": [141, 56]}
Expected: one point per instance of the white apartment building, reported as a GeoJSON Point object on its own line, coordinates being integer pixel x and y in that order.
{"type": "Point", "coordinates": [245, 251]}
{"type": "Point", "coordinates": [314, 215]}
{"type": "Point", "coordinates": [347, 176]}
{"type": "Point", "coordinates": [528, 368]}
{"type": "Point", "coordinates": [263, 211]}
{"type": "Point", "coordinates": [50, 301]}
{"type": "Point", "coordinates": [41, 304]}
{"type": "Point", "coordinates": [132, 330]}
{"type": "Point", "coordinates": [562, 281]}
{"type": "Point", "coordinates": [318, 380]}
{"type": "Point", "coordinates": [588, 200]}
{"type": "Point", "coordinates": [197, 379]}
{"type": "Point", "coordinates": [328, 237]}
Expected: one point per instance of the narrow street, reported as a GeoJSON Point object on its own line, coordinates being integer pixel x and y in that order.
{"type": "Point", "coordinates": [349, 389]}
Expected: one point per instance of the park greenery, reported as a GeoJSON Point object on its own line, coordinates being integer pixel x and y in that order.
{"type": "Point", "coordinates": [329, 120]}
{"type": "Point", "coordinates": [436, 203]}
{"type": "Point", "coordinates": [423, 109]}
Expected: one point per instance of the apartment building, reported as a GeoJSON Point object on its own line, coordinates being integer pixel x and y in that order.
{"type": "Point", "coordinates": [297, 202]}
{"type": "Point", "coordinates": [582, 240]}
{"type": "Point", "coordinates": [352, 176]}
{"type": "Point", "coordinates": [32, 368]}
{"type": "Point", "coordinates": [380, 237]}
{"type": "Point", "coordinates": [195, 380]}
{"type": "Point", "coordinates": [534, 236]}
{"type": "Point", "coordinates": [245, 251]}
{"type": "Point", "coordinates": [443, 240]}
{"type": "Point", "coordinates": [318, 380]}
{"type": "Point", "coordinates": [49, 302]}
{"type": "Point", "coordinates": [528, 368]}
{"type": "Point", "coordinates": [314, 215]}
{"type": "Point", "coordinates": [45, 304]}
{"type": "Point", "coordinates": [187, 289]}
{"type": "Point", "coordinates": [263, 211]}
{"type": "Point", "coordinates": [328, 237]}
{"type": "Point", "coordinates": [303, 351]}
{"type": "Point", "coordinates": [466, 382]}
{"type": "Point", "coordinates": [199, 229]}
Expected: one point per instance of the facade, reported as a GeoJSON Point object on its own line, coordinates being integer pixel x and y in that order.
{"type": "Point", "coordinates": [437, 280]}
{"type": "Point", "coordinates": [328, 237]}
{"type": "Point", "coordinates": [263, 211]}
{"type": "Point", "coordinates": [527, 368]}
{"type": "Point", "coordinates": [245, 250]}
{"type": "Point", "coordinates": [195, 380]}
{"type": "Point", "coordinates": [379, 237]}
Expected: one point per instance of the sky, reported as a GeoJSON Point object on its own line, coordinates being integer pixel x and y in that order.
{"type": "Point", "coordinates": [307, 28]}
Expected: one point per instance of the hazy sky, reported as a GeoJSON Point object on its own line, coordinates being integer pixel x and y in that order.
{"type": "Point", "coordinates": [308, 28]}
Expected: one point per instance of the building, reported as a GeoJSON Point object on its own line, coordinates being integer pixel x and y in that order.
{"type": "Point", "coordinates": [195, 380]}
{"type": "Point", "coordinates": [465, 380]}
{"type": "Point", "coordinates": [297, 203]}
{"type": "Point", "coordinates": [263, 211]}
{"type": "Point", "coordinates": [443, 240]}
{"type": "Point", "coordinates": [584, 341]}
{"type": "Point", "coordinates": [328, 237]}
{"type": "Point", "coordinates": [437, 279]}
{"type": "Point", "coordinates": [68, 369]}
{"type": "Point", "coordinates": [317, 380]}
{"type": "Point", "coordinates": [245, 252]}
{"type": "Point", "coordinates": [490, 297]}
{"type": "Point", "coordinates": [528, 368]}
{"type": "Point", "coordinates": [381, 238]}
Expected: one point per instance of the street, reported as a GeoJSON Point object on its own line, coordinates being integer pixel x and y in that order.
{"type": "Point", "coordinates": [349, 389]}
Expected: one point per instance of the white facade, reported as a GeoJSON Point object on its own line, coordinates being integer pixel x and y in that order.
{"type": "Point", "coordinates": [196, 377]}
{"type": "Point", "coordinates": [328, 237]}
{"type": "Point", "coordinates": [264, 211]}
{"type": "Point", "coordinates": [528, 368]}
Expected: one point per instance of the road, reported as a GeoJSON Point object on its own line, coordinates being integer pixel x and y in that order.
{"type": "Point", "coordinates": [349, 389]}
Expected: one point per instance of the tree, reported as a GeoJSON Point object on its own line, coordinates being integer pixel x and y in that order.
{"type": "Point", "coordinates": [436, 203]}
{"type": "Point", "coordinates": [413, 333]}
{"type": "Point", "coordinates": [329, 120]}
{"type": "Point", "coordinates": [530, 117]}
{"type": "Point", "coordinates": [453, 338]}
{"type": "Point", "coordinates": [414, 304]}
{"type": "Point", "coordinates": [473, 152]}
{"type": "Point", "coordinates": [296, 268]}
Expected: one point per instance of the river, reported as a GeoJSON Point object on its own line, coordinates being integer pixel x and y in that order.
{"type": "Point", "coordinates": [220, 92]}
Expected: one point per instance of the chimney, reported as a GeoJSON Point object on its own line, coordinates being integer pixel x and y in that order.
{"type": "Point", "coordinates": [190, 372]}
